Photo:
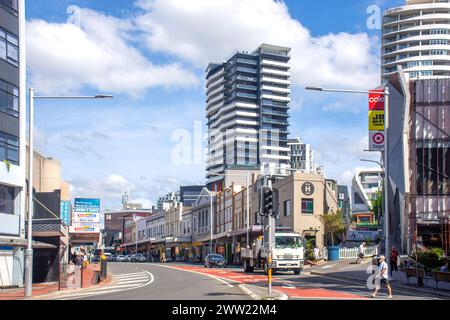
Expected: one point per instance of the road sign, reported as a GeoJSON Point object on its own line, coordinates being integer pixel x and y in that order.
{"type": "Point", "coordinates": [376, 141]}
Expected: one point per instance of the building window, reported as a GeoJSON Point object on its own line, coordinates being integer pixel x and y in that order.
{"type": "Point", "coordinates": [307, 206]}
{"type": "Point", "coordinates": [9, 148]}
{"type": "Point", "coordinates": [287, 208]}
{"type": "Point", "coordinates": [9, 47]}
{"type": "Point", "coordinates": [9, 98]}
{"type": "Point", "coordinates": [6, 200]}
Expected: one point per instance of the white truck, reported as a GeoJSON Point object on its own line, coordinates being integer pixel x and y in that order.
{"type": "Point", "coordinates": [287, 254]}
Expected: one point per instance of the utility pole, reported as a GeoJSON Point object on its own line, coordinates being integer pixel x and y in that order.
{"type": "Point", "coordinates": [267, 210]}
{"type": "Point", "coordinates": [386, 171]}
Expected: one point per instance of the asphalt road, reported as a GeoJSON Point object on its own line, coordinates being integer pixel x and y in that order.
{"type": "Point", "coordinates": [173, 281]}
{"type": "Point", "coordinates": [167, 284]}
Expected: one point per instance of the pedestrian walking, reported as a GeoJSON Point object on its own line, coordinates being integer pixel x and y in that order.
{"type": "Point", "coordinates": [383, 277]}
{"type": "Point", "coordinates": [394, 260]}
{"type": "Point", "coordinates": [444, 268]}
{"type": "Point", "coordinates": [79, 260]}
{"type": "Point", "coordinates": [361, 253]}
{"type": "Point", "coordinates": [316, 254]}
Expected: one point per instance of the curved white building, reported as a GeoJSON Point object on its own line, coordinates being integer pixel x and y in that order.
{"type": "Point", "coordinates": [417, 36]}
{"type": "Point", "coordinates": [365, 185]}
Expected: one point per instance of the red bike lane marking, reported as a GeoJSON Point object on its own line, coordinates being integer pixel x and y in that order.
{"type": "Point", "coordinates": [293, 292]}
{"type": "Point", "coordinates": [316, 293]}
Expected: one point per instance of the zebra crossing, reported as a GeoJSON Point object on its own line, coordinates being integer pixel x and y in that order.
{"type": "Point", "coordinates": [124, 282]}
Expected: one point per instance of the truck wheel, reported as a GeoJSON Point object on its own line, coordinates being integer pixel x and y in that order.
{"type": "Point", "coordinates": [297, 272]}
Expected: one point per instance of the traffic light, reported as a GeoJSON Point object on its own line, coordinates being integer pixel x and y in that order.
{"type": "Point", "coordinates": [267, 202]}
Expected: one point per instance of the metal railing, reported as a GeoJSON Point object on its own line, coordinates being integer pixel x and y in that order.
{"type": "Point", "coordinates": [349, 253]}
{"type": "Point", "coordinates": [70, 276]}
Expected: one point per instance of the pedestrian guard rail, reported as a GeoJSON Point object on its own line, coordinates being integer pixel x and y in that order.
{"type": "Point", "coordinates": [70, 276]}
{"type": "Point", "coordinates": [350, 253]}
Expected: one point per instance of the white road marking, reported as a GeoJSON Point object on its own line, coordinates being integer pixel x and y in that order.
{"type": "Point", "coordinates": [201, 273]}
{"type": "Point", "coordinates": [331, 266]}
{"type": "Point", "coordinates": [122, 285]}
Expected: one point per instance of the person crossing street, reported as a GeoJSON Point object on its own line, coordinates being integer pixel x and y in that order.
{"type": "Point", "coordinates": [383, 277]}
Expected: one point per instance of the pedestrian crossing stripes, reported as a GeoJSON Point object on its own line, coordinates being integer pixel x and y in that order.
{"type": "Point", "coordinates": [124, 282]}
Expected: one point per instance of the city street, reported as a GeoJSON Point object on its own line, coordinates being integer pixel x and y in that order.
{"type": "Point", "coordinates": [176, 281]}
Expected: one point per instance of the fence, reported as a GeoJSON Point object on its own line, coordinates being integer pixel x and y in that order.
{"type": "Point", "coordinates": [70, 277]}
{"type": "Point", "coordinates": [349, 253]}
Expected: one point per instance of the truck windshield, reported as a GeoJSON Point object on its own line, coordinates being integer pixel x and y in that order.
{"type": "Point", "coordinates": [283, 242]}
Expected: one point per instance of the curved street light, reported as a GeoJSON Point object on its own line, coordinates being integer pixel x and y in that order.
{"type": "Point", "coordinates": [29, 251]}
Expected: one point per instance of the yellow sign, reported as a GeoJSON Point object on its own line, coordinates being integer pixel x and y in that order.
{"type": "Point", "coordinates": [376, 121]}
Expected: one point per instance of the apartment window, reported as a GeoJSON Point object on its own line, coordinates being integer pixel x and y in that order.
{"type": "Point", "coordinates": [9, 47]}
{"type": "Point", "coordinates": [9, 148]}
{"type": "Point", "coordinates": [438, 52]}
{"type": "Point", "coordinates": [307, 206]}
{"type": "Point", "coordinates": [6, 200]}
{"type": "Point", "coordinates": [439, 31]}
{"type": "Point", "coordinates": [9, 99]}
{"type": "Point", "coordinates": [438, 42]}
{"type": "Point", "coordinates": [287, 208]}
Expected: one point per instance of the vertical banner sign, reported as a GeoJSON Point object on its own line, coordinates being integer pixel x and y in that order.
{"type": "Point", "coordinates": [376, 120]}
{"type": "Point", "coordinates": [66, 210]}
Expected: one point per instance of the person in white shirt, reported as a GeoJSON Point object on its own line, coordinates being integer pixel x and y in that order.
{"type": "Point", "coordinates": [316, 254]}
{"type": "Point", "coordinates": [384, 278]}
{"type": "Point", "coordinates": [361, 253]}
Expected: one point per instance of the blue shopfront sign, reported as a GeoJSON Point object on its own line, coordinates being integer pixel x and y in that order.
{"type": "Point", "coordinates": [87, 205]}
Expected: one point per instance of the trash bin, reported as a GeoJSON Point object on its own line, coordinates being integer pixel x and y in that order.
{"type": "Point", "coordinates": [333, 253]}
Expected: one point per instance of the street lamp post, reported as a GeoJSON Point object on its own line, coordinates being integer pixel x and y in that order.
{"type": "Point", "coordinates": [386, 94]}
{"type": "Point", "coordinates": [28, 290]}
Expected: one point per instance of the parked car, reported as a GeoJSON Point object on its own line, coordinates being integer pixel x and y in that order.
{"type": "Point", "coordinates": [127, 258]}
{"type": "Point", "coordinates": [120, 258]}
{"type": "Point", "coordinates": [138, 258]}
{"type": "Point", "coordinates": [215, 260]}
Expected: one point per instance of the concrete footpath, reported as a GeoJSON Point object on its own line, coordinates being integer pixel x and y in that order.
{"type": "Point", "coordinates": [47, 291]}
{"type": "Point", "coordinates": [261, 293]}
{"type": "Point", "coordinates": [358, 273]}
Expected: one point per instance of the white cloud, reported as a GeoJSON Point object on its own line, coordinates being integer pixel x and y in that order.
{"type": "Point", "coordinates": [109, 189]}
{"type": "Point", "coordinates": [203, 31]}
{"type": "Point", "coordinates": [65, 57]}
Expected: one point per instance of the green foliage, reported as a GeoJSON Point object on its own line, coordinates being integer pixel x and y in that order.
{"type": "Point", "coordinates": [430, 260]}
{"type": "Point", "coordinates": [438, 251]}
{"type": "Point", "coordinates": [333, 224]}
{"type": "Point", "coordinates": [377, 204]}
{"type": "Point", "coordinates": [8, 164]}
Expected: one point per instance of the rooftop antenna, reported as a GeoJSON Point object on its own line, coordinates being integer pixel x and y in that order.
{"type": "Point", "coordinates": [125, 197]}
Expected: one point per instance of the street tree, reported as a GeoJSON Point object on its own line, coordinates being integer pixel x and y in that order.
{"type": "Point", "coordinates": [377, 204]}
{"type": "Point", "coordinates": [333, 224]}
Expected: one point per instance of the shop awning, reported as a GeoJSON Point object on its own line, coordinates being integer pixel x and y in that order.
{"type": "Point", "coordinates": [22, 243]}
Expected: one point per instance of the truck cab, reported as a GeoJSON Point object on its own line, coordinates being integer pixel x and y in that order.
{"type": "Point", "coordinates": [288, 252]}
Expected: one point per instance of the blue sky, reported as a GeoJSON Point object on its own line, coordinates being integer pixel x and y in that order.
{"type": "Point", "coordinates": [151, 55]}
